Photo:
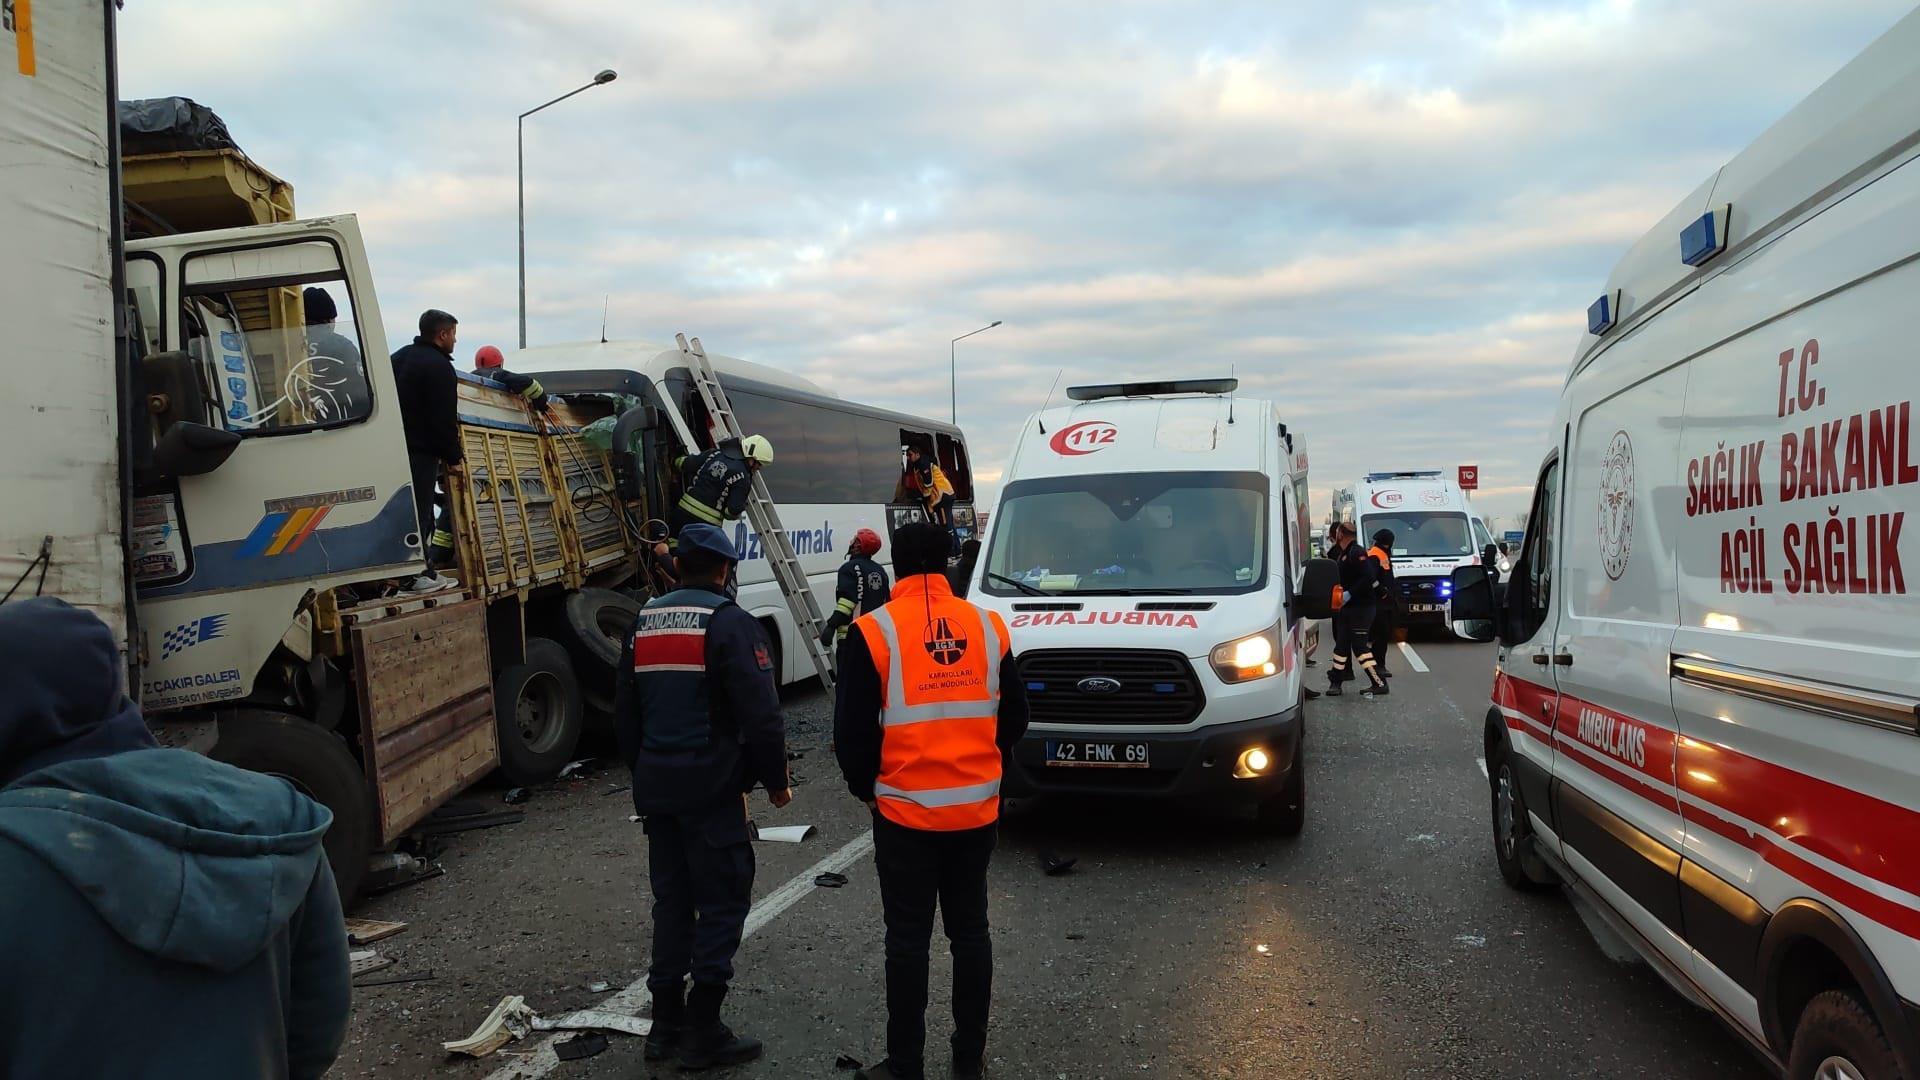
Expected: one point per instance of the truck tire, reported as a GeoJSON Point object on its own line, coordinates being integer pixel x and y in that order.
{"type": "Point", "coordinates": [1286, 813]}
{"type": "Point", "coordinates": [1838, 1036]}
{"type": "Point", "coordinates": [319, 765]}
{"type": "Point", "coordinates": [592, 624]}
{"type": "Point", "coordinates": [537, 713]}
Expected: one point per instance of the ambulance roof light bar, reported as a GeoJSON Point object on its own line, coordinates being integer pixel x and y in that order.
{"type": "Point", "coordinates": [1102, 391]}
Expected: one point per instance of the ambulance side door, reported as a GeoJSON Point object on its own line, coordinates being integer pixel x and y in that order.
{"type": "Point", "coordinates": [1523, 687]}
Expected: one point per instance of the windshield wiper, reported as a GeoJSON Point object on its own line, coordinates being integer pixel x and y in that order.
{"type": "Point", "coordinates": [1021, 585]}
{"type": "Point", "coordinates": [1134, 591]}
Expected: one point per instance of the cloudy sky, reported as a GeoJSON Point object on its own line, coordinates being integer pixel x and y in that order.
{"type": "Point", "coordinates": [1388, 216]}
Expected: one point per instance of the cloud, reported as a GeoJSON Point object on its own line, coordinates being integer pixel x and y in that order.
{"type": "Point", "coordinates": [1387, 216]}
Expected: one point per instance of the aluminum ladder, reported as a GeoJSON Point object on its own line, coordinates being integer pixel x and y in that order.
{"type": "Point", "coordinates": [774, 540]}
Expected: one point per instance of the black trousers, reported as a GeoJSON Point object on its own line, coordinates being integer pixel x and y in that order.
{"type": "Point", "coordinates": [1352, 643]}
{"type": "Point", "coordinates": [701, 866]}
{"type": "Point", "coordinates": [426, 473]}
{"type": "Point", "coordinates": [1380, 634]}
{"type": "Point", "coordinates": [917, 868]}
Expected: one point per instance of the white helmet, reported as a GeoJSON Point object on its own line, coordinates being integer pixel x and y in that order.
{"type": "Point", "coordinates": [757, 448]}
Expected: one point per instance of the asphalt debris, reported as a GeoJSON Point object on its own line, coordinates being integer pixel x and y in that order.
{"type": "Point", "coordinates": [1055, 865]}
{"type": "Point", "coordinates": [580, 1046]}
{"type": "Point", "coordinates": [830, 880]}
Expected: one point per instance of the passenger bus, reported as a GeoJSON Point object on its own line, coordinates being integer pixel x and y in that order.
{"type": "Point", "coordinates": [838, 467]}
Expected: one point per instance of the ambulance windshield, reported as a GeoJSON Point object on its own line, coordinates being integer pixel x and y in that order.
{"type": "Point", "coordinates": [1131, 534]}
{"type": "Point", "coordinates": [1418, 534]}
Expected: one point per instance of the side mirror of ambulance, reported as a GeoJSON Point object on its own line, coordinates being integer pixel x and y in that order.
{"type": "Point", "coordinates": [1319, 580]}
{"type": "Point", "coordinates": [1475, 602]}
{"type": "Point", "coordinates": [1490, 557]}
{"type": "Point", "coordinates": [189, 449]}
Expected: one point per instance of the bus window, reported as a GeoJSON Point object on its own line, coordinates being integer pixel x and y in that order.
{"type": "Point", "coordinates": [881, 471]}
{"type": "Point", "coordinates": [953, 459]}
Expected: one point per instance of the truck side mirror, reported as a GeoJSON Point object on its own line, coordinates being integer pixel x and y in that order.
{"type": "Point", "coordinates": [1476, 605]}
{"type": "Point", "coordinates": [1319, 579]}
{"type": "Point", "coordinates": [170, 381]}
{"type": "Point", "coordinates": [190, 449]}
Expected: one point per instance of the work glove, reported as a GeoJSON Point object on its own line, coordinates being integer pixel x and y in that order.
{"type": "Point", "coordinates": [828, 632]}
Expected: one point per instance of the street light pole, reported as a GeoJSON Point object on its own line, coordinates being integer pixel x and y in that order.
{"type": "Point", "coordinates": [520, 161]}
{"type": "Point", "coordinates": [953, 371]}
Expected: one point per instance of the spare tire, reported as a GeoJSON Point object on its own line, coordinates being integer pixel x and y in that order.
{"type": "Point", "coordinates": [319, 765]}
{"type": "Point", "coordinates": [593, 623]}
{"type": "Point", "coordinates": [536, 711]}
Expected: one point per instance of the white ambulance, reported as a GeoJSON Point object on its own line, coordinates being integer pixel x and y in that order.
{"type": "Point", "coordinates": [1434, 529]}
{"type": "Point", "coordinates": [1145, 555]}
{"type": "Point", "coordinates": [1706, 714]}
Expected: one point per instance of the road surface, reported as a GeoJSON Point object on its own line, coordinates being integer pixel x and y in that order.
{"type": "Point", "coordinates": [1381, 943]}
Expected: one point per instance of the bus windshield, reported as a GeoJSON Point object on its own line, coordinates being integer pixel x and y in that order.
{"type": "Point", "coordinates": [1417, 534]}
{"type": "Point", "coordinates": [1131, 533]}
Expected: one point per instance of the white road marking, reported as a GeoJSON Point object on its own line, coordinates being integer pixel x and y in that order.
{"type": "Point", "coordinates": [1413, 658]}
{"type": "Point", "coordinates": [541, 1060]}
{"type": "Point", "coordinates": [1482, 762]}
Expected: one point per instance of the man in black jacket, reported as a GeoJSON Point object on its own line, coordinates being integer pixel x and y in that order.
{"type": "Point", "coordinates": [1352, 623]}
{"type": "Point", "coordinates": [698, 721]}
{"type": "Point", "coordinates": [430, 412]}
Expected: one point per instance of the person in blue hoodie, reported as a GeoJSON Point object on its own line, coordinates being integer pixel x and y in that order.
{"type": "Point", "coordinates": [161, 914]}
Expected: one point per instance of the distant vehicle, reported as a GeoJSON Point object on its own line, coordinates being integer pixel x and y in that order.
{"type": "Point", "coordinates": [1147, 554]}
{"type": "Point", "coordinates": [1704, 712]}
{"type": "Point", "coordinates": [1435, 529]}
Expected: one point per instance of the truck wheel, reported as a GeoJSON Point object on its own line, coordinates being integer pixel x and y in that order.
{"type": "Point", "coordinates": [319, 765]}
{"type": "Point", "coordinates": [1286, 813]}
{"type": "Point", "coordinates": [1839, 1039]}
{"type": "Point", "coordinates": [593, 624]}
{"type": "Point", "coordinates": [536, 710]}
{"type": "Point", "coordinates": [1513, 837]}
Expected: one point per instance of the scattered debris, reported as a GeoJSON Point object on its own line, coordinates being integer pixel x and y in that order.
{"type": "Point", "coordinates": [394, 980]}
{"type": "Point", "coordinates": [515, 796]}
{"type": "Point", "coordinates": [368, 931]}
{"type": "Point", "coordinates": [830, 880]}
{"type": "Point", "coordinates": [599, 987]}
{"type": "Point", "coordinates": [595, 1020]}
{"type": "Point", "coordinates": [434, 826]}
{"type": "Point", "coordinates": [615, 789]}
{"type": "Point", "coordinates": [1056, 865]}
{"type": "Point", "coordinates": [1472, 941]}
{"type": "Point", "coordinates": [1263, 950]}
{"type": "Point", "coordinates": [784, 834]}
{"type": "Point", "coordinates": [633, 817]}
{"type": "Point", "coordinates": [580, 1046]}
{"type": "Point", "coordinates": [578, 770]}
{"type": "Point", "coordinates": [796, 755]}
{"type": "Point", "coordinates": [509, 1020]}
{"type": "Point", "coordinates": [1076, 935]}
{"type": "Point", "coordinates": [846, 1063]}
{"type": "Point", "coordinates": [360, 962]}
{"type": "Point", "coordinates": [1423, 838]}
{"type": "Point", "coordinates": [389, 879]}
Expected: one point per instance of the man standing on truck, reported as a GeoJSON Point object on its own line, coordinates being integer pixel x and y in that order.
{"type": "Point", "coordinates": [927, 706]}
{"type": "Point", "coordinates": [862, 586]}
{"type": "Point", "coordinates": [430, 412]}
{"type": "Point", "coordinates": [338, 375]}
{"type": "Point", "coordinates": [184, 905]}
{"type": "Point", "coordinates": [698, 720]}
{"type": "Point", "coordinates": [1352, 648]}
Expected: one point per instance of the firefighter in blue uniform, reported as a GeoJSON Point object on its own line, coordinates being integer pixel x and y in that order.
{"type": "Point", "coordinates": [863, 586]}
{"type": "Point", "coordinates": [1353, 622]}
{"type": "Point", "coordinates": [698, 720]}
{"type": "Point", "coordinates": [715, 484]}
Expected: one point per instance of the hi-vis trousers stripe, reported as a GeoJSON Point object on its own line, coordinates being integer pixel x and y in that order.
{"type": "Point", "coordinates": [897, 711]}
{"type": "Point", "coordinates": [934, 798]}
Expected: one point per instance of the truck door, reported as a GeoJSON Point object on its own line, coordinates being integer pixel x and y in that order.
{"type": "Point", "coordinates": [316, 493]}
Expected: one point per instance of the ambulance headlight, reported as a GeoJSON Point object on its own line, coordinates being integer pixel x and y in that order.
{"type": "Point", "coordinates": [1255, 656]}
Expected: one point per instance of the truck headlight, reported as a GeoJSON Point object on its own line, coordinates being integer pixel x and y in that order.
{"type": "Point", "coordinates": [1255, 656]}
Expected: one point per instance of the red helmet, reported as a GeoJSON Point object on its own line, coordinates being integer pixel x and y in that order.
{"type": "Point", "coordinates": [866, 542]}
{"type": "Point", "coordinates": [488, 356]}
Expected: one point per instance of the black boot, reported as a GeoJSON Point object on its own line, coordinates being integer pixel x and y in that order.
{"type": "Point", "coordinates": [669, 1021]}
{"type": "Point", "coordinates": [706, 1042]}
{"type": "Point", "coordinates": [1333, 689]}
{"type": "Point", "coordinates": [1377, 688]}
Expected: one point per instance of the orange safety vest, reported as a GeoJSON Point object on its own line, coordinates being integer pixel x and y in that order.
{"type": "Point", "coordinates": [1386, 561]}
{"type": "Point", "coordinates": [938, 658]}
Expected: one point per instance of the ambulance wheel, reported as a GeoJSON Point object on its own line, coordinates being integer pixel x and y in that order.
{"type": "Point", "coordinates": [1839, 1039]}
{"type": "Point", "coordinates": [537, 713]}
{"type": "Point", "coordinates": [319, 765]}
{"type": "Point", "coordinates": [1286, 813]}
{"type": "Point", "coordinates": [1512, 836]}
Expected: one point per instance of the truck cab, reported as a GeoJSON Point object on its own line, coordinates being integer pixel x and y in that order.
{"type": "Point", "coordinates": [1145, 554]}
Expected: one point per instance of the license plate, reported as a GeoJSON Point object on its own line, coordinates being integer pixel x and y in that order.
{"type": "Point", "coordinates": [1097, 755]}
{"type": "Point", "coordinates": [1421, 608]}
